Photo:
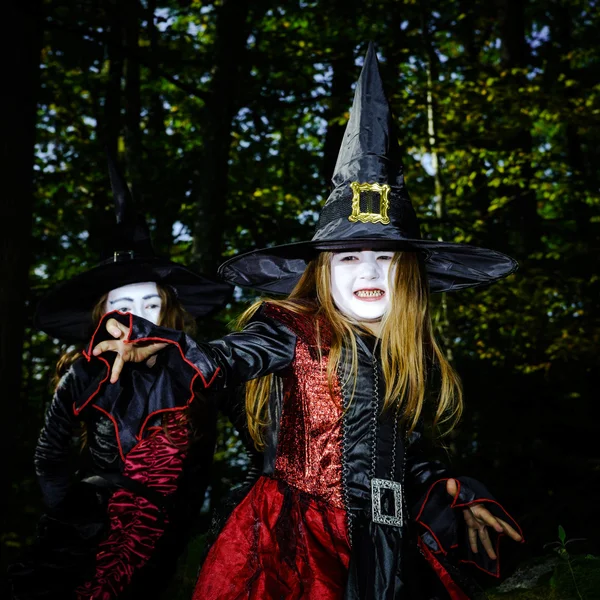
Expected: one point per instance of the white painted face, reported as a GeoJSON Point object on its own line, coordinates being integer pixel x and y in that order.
{"type": "Point", "coordinates": [140, 299]}
{"type": "Point", "coordinates": [360, 284]}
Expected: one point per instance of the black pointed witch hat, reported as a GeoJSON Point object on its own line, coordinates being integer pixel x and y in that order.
{"type": "Point", "coordinates": [128, 257]}
{"type": "Point", "coordinates": [369, 208]}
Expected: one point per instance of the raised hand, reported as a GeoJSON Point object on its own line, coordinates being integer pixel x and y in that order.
{"type": "Point", "coordinates": [126, 351]}
{"type": "Point", "coordinates": [478, 519]}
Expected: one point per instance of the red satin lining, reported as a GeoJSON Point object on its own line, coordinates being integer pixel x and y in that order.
{"type": "Point", "coordinates": [453, 590]}
{"type": "Point", "coordinates": [136, 524]}
{"type": "Point", "coordinates": [278, 543]}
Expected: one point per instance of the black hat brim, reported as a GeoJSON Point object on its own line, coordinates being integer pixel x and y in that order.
{"type": "Point", "coordinates": [66, 311]}
{"type": "Point", "coordinates": [450, 266]}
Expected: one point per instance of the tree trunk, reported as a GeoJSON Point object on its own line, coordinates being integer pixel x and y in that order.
{"type": "Point", "coordinates": [432, 68]}
{"type": "Point", "coordinates": [102, 214]}
{"type": "Point", "coordinates": [342, 14]}
{"type": "Point", "coordinates": [524, 218]}
{"type": "Point", "coordinates": [343, 76]}
{"type": "Point", "coordinates": [441, 320]}
{"type": "Point", "coordinates": [161, 190]}
{"type": "Point", "coordinates": [475, 71]}
{"type": "Point", "coordinates": [22, 72]}
{"type": "Point", "coordinates": [133, 105]}
{"type": "Point", "coordinates": [18, 137]}
{"type": "Point", "coordinates": [112, 103]}
{"type": "Point", "coordinates": [219, 110]}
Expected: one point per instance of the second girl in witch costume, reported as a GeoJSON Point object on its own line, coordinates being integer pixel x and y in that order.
{"type": "Point", "coordinates": [341, 374]}
{"type": "Point", "coordinates": [122, 467]}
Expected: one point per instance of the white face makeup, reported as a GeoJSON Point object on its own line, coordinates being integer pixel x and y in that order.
{"type": "Point", "coordinates": [360, 284]}
{"type": "Point", "coordinates": [140, 299]}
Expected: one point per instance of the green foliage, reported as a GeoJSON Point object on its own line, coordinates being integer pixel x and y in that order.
{"type": "Point", "coordinates": [568, 564]}
{"type": "Point", "coordinates": [516, 115]}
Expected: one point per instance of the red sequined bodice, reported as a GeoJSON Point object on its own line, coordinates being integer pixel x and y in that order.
{"type": "Point", "coordinates": [309, 449]}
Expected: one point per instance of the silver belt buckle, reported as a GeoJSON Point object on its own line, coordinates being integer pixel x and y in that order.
{"type": "Point", "coordinates": [377, 487]}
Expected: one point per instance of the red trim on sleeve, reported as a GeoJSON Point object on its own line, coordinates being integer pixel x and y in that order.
{"type": "Point", "coordinates": [88, 355]}
{"type": "Point", "coordinates": [463, 506]}
{"type": "Point", "coordinates": [128, 340]}
{"type": "Point", "coordinates": [77, 410]}
{"type": "Point", "coordinates": [112, 312]}
{"type": "Point", "coordinates": [452, 588]}
{"type": "Point", "coordinates": [418, 517]}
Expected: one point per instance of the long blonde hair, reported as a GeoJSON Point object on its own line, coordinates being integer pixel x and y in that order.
{"type": "Point", "coordinates": [409, 350]}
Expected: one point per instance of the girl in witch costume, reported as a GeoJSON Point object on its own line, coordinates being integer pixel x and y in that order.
{"type": "Point", "coordinates": [341, 373]}
{"type": "Point", "coordinates": [115, 517]}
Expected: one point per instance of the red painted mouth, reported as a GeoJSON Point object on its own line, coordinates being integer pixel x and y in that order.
{"type": "Point", "coordinates": [369, 294]}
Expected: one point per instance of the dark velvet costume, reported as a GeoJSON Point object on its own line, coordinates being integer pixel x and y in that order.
{"type": "Point", "coordinates": [305, 528]}
{"type": "Point", "coordinates": [116, 528]}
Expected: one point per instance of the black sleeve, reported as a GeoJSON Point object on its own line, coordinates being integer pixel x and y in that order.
{"type": "Point", "coordinates": [439, 516]}
{"type": "Point", "coordinates": [264, 346]}
{"type": "Point", "coordinates": [421, 471]}
{"type": "Point", "coordinates": [53, 456]}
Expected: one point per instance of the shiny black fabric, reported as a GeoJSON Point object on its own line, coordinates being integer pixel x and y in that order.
{"type": "Point", "coordinates": [450, 267]}
{"type": "Point", "coordinates": [375, 569]}
{"type": "Point", "coordinates": [385, 562]}
{"type": "Point", "coordinates": [369, 154]}
{"type": "Point", "coordinates": [264, 346]}
{"type": "Point", "coordinates": [56, 455]}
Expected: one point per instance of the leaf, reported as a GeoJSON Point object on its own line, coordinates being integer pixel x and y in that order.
{"type": "Point", "coordinates": [562, 536]}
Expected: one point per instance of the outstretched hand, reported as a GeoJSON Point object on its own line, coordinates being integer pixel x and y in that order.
{"type": "Point", "coordinates": [478, 519]}
{"type": "Point", "coordinates": [126, 351]}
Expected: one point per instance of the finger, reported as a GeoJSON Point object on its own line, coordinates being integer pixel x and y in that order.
{"type": "Point", "coordinates": [470, 519]}
{"type": "Point", "coordinates": [510, 531]}
{"type": "Point", "coordinates": [143, 352]}
{"type": "Point", "coordinates": [451, 487]}
{"type": "Point", "coordinates": [473, 539]}
{"type": "Point", "coordinates": [484, 536]}
{"type": "Point", "coordinates": [483, 515]}
{"type": "Point", "coordinates": [116, 329]}
{"type": "Point", "coordinates": [116, 369]}
{"type": "Point", "coordinates": [106, 346]}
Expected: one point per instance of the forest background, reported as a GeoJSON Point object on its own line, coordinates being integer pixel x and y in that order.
{"type": "Point", "coordinates": [228, 116]}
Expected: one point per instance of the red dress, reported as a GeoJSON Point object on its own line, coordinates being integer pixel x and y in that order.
{"type": "Point", "coordinates": [307, 529]}
{"type": "Point", "coordinates": [288, 538]}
